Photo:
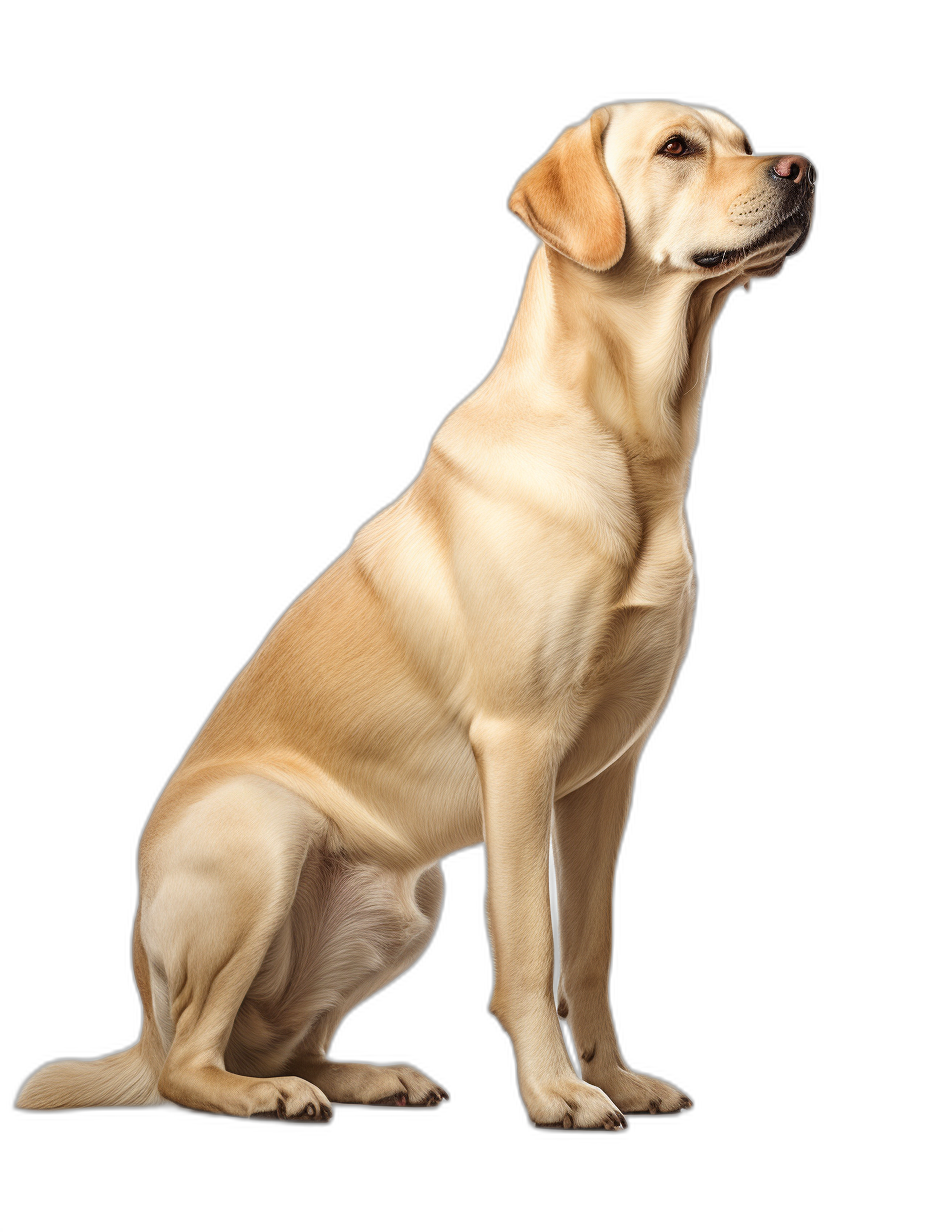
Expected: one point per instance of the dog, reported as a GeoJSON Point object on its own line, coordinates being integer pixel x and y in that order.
{"type": "Point", "coordinates": [484, 664]}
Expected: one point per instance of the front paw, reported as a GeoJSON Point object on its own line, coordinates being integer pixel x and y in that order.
{"type": "Point", "coordinates": [635, 1093]}
{"type": "Point", "coordinates": [571, 1104]}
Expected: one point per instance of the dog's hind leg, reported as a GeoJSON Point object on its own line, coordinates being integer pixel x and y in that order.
{"type": "Point", "coordinates": [218, 880]}
{"type": "Point", "coordinates": [403, 915]}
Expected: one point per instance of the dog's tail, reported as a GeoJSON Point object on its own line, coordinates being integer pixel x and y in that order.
{"type": "Point", "coordinates": [129, 1077]}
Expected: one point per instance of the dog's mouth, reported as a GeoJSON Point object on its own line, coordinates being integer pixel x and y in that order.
{"type": "Point", "coordinates": [799, 219]}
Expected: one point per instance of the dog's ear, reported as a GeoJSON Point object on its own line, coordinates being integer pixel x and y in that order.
{"type": "Point", "coordinates": [569, 199]}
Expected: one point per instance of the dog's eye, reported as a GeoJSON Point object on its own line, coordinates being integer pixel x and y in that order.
{"type": "Point", "coordinates": [675, 147]}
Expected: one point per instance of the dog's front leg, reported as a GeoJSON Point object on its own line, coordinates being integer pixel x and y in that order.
{"type": "Point", "coordinates": [517, 781]}
{"type": "Point", "coordinates": [587, 832]}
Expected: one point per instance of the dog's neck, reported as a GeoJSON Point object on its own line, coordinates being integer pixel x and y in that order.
{"type": "Point", "coordinates": [632, 342]}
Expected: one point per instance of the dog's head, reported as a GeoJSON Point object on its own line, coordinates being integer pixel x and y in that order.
{"type": "Point", "coordinates": [673, 187]}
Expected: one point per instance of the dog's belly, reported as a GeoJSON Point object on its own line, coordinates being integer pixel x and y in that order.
{"type": "Point", "coordinates": [626, 687]}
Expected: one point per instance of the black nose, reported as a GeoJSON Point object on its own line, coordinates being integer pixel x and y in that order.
{"type": "Point", "coordinates": [794, 169]}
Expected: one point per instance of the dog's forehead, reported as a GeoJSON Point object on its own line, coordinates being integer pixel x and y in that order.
{"type": "Point", "coordinates": [722, 125]}
{"type": "Point", "coordinates": [636, 125]}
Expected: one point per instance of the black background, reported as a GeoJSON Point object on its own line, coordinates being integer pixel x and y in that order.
{"type": "Point", "coordinates": [232, 271]}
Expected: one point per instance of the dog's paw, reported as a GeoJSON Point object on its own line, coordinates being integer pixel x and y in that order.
{"type": "Point", "coordinates": [290, 1099]}
{"type": "Point", "coordinates": [352, 1082]}
{"type": "Point", "coordinates": [635, 1093]}
{"type": "Point", "coordinates": [572, 1104]}
{"type": "Point", "coordinates": [421, 1091]}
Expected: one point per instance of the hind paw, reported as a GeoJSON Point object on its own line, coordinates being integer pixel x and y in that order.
{"type": "Point", "coordinates": [396, 1086]}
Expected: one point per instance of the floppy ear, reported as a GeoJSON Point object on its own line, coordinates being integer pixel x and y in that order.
{"type": "Point", "coordinates": [569, 199]}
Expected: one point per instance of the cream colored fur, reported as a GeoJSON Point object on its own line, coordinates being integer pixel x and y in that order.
{"type": "Point", "coordinates": [484, 663]}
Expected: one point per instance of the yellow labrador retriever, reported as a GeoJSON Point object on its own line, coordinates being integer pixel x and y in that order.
{"type": "Point", "coordinates": [484, 664]}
